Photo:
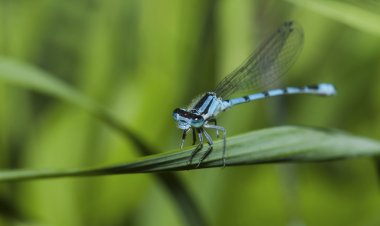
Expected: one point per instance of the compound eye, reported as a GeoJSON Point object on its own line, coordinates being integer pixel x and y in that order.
{"type": "Point", "coordinates": [176, 113]}
{"type": "Point", "coordinates": [197, 121]}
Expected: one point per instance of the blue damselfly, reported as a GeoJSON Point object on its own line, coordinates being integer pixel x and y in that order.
{"type": "Point", "coordinates": [269, 62]}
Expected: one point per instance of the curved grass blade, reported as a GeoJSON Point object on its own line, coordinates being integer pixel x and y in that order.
{"type": "Point", "coordinates": [279, 144]}
{"type": "Point", "coordinates": [344, 12]}
{"type": "Point", "coordinates": [29, 77]}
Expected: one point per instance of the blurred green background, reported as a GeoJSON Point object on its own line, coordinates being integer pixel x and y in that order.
{"type": "Point", "coordinates": [142, 59]}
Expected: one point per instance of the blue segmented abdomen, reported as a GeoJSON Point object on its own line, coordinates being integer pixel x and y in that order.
{"type": "Point", "coordinates": [322, 89]}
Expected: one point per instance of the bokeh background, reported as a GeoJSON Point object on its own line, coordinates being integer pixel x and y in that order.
{"type": "Point", "coordinates": [142, 59]}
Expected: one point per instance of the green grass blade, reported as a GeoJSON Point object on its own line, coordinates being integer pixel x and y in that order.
{"type": "Point", "coordinates": [29, 77]}
{"type": "Point", "coordinates": [279, 144]}
{"type": "Point", "coordinates": [26, 76]}
{"type": "Point", "coordinates": [344, 13]}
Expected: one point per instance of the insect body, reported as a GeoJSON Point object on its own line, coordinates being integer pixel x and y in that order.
{"type": "Point", "coordinates": [269, 62]}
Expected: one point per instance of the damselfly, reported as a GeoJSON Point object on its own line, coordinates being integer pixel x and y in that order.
{"type": "Point", "coordinates": [269, 62]}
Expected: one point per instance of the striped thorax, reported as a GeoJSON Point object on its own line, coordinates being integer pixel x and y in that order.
{"type": "Point", "coordinates": [206, 107]}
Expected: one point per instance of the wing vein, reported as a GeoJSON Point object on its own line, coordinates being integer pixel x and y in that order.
{"type": "Point", "coordinates": [271, 60]}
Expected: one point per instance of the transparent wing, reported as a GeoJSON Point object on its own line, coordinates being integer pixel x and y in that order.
{"type": "Point", "coordinates": [269, 62]}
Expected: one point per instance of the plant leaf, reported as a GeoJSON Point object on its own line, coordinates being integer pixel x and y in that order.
{"type": "Point", "coordinates": [27, 76]}
{"type": "Point", "coordinates": [279, 144]}
{"type": "Point", "coordinates": [345, 13]}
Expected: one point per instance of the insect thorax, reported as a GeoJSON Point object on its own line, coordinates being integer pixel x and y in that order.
{"type": "Point", "coordinates": [207, 105]}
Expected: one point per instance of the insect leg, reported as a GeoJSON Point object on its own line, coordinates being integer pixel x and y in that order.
{"type": "Point", "coordinates": [217, 131]}
{"type": "Point", "coordinates": [199, 146]}
{"type": "Point", "coordinates": [210, 147]}
{"type": "Point", "coordinates": [224, 139]}
{"type": "Point", "coordinates": [183, 137]}
{"type": "Point", "coordinates": [194, 137]}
